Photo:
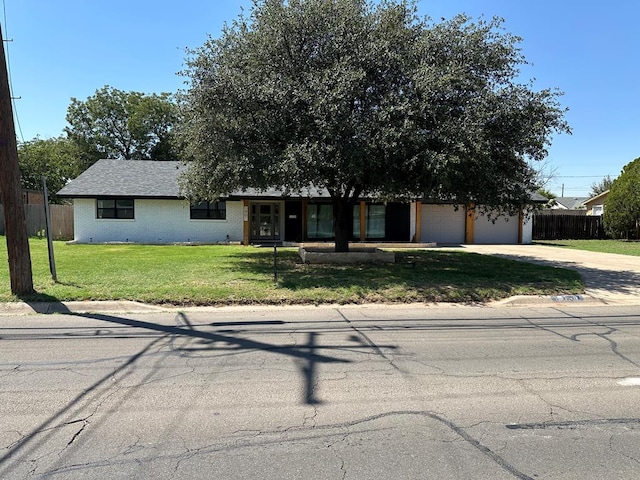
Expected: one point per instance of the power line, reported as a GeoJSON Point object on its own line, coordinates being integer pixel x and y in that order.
{"type": "Point", "coordinates": [13, 98]}
{"type": "Point", "coordinates": [581, 176]}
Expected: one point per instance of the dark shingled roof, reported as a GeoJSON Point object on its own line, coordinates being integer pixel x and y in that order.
{"type": "Point", "coordinates": [126, 178]}
{"type": "Point", "coordinates": [537, 198]}
{"type": "Point", "coordinates": [149, 179]}
{"type": "Point", "coordinates": [153, 179]}
{"type": "Point", "coordinates": [571, 203]}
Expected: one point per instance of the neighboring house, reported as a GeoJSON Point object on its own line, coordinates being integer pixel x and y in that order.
{"type": "Point", "coordinates": [139, 201]}
{"type": "Point", "coordinates": [568, 203]}
{"type": "Point", "coordinates": [595, 205]}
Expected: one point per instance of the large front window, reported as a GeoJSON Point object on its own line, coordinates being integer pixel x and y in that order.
{"type": "Point", "coordinates": [209, 210]}
{"type": "Point", "coordinates": [374, 222]}
{"type": "Point", "coordinates": [115, 208]}
{"type": "Point", "coordinates": [320, 220]}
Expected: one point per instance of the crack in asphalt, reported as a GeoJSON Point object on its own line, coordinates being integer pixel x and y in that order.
{"type": "Point", "coordinates": [11, 371]}
{"type": "Point", "coordinates": [98, 393]}
{"type": "Point", "coordinates": [573, 423]}
{"type": "Point", "coordinates": [248, 442]}
{"type": "Point", "coordinates": [342, 466]}
{"type": "Point", "coordinates": [497, 459]}
{"type": "Point", "coordinates": [492, 455]}
{"type": "Point", "coordinates": [629, 457]}
{"type": "Point", "coordinates": [84, 425]}
{"type": "Point", "coordinates": [367, 340]}
{"type": "Point", "coordinates": [545, 401]}
{"type": "Point", "coordinates": [311, 418]}
{"type": "Point", "coordinates": [546, 329]}
{"type": "Point", "coordinates": [604, 335]}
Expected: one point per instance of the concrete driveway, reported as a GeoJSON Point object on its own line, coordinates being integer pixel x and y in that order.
{"type": "Point", "coordinates": [608, 277]}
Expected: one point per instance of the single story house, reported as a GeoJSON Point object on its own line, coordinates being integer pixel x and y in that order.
{"type": "Point", "coordinates": [572, 204]}
{"type": "Point", "coordinates": [595, 205]}
{"type": "Point", "coordinates": [139, 201]}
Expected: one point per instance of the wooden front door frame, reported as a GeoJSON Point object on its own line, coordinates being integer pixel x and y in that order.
{"type": "Point", "coordinates": [279, 218]}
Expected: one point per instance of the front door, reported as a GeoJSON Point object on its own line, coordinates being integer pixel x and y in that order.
{"type": "Point", "coordinates": [265, 222]}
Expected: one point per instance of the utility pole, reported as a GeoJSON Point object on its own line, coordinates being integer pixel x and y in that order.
{"type": "Point", "coordinates": [15, 226]}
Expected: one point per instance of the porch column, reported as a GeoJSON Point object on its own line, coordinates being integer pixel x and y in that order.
{"type": "Point", "coordinates": [418, 235]}
{"type": "Point", "coordinates": [246, 222]}
{"type": "Point", "coordinates": [470, 224]}
{"type": "Point", "coordinates": [304, 219]}
{"type": "Point", "coordinates": [363, 221]}
{"type": "Point", "coordinates": [520, 226]}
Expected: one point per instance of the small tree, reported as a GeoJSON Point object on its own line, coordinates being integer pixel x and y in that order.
{"type": "Point", "coordinates": [622, 212]}
{"type": "Point", "coordinates": [547, 193]}
{"type": "Point", "coordinates": [364, 99]}
{"type": "Point", "coordinates": [59, 159]}
{"type": "Point", "coordinates": [128, 125]}
{"type": "Point", "coordinates": [602, 186]}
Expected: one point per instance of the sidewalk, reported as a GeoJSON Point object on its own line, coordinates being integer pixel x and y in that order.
{"type": "Point", "coordinates": [609, 277]}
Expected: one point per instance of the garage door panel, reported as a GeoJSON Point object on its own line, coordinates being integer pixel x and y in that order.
{"type": "Point", "coordinates": [504, 230]}
{"type": "Point", "coordinates": [442, 224]}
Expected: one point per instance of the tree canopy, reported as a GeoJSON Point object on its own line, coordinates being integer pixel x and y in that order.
{"type": "Point", "coordinates": [548, 194]}
{"type": "Point", "coordinates": [622, 210]}
{"type": "Point", "coordinates": [602, 186]}
{"type": "Point", "coordinates": [128, 125]}
{"type": "Point", "coordinates": [365, 98]}
{"type": "Point", "coordinates": [58, 159]}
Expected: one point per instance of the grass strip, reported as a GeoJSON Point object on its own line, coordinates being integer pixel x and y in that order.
{"type": "Point", "coordinates": [236, 275]}
{"type": "Point", "coordinates": [622, 247]}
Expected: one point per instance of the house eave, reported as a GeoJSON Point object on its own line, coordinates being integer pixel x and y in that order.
{"type": "Point", "coordinates": [135, 197]}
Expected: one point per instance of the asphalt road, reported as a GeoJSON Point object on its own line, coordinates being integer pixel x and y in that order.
{"type": "Point", "coordinates": [323, 393]}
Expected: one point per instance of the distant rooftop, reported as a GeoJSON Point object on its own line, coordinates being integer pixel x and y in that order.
{"type": "Point", "coordinates": [570, 203]}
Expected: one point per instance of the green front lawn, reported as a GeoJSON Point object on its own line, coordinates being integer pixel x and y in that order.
{"type": "Point", "coordinates": [605, 246]}
{"type": "Point", "coordinates": [227, 275]}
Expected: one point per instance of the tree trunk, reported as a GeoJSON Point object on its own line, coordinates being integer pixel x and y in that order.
{"type": "Point", "coordinates": [15, 225]}
{"type": "Point", "coordinates": [343, 221]}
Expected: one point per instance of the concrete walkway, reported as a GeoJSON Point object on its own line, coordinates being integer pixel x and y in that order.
{"type": "Point", "coordinates": [609, 277]}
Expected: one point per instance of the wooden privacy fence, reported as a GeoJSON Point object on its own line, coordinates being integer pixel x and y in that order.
{"type": "Point", "coordinates": [567, 227]}
{"type": "Point", "coordinates": [61, 221]}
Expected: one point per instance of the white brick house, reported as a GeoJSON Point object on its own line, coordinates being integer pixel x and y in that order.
{"type": "Point", "coordinates": [156, 221]}
{"type": "Point", "coordinates": [139, 201]}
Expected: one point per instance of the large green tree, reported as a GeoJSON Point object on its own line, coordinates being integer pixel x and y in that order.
{"type": "Point", "coordinates": [622, 209]}
{"type": "Point", "coordinates": [58, 159]}
{"type": "Point", "coordinates": [364, 98]}
{"type": "Point", "coordinates": [117, 124]}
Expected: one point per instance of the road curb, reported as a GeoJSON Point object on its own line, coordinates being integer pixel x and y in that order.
{"type": "Point", "coordinates": [31, 308]}
{"type": "Point", "coordinates": [549, 300]}
{"type": "Point", "coordinates": [132, 307]}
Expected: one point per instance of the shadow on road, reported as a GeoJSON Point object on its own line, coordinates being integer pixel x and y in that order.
{"type": "Point", "coordinates": [307, 356]}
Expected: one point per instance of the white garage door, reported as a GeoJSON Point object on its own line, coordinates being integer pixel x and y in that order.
{"type": "Point", "coordinates": [504, 230]}
{"type": "Point", "coordinates": [442, 224]}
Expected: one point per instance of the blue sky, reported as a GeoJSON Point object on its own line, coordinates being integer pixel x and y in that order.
{"type": "Point", "coordinates": [588, 49]}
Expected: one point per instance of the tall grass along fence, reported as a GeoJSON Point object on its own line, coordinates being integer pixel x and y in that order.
{"type": "Point", "coordinates": [61, 221]}
{"type": "Point", "coordinates": [567, 227]}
